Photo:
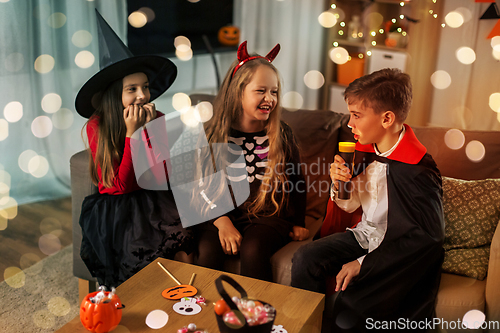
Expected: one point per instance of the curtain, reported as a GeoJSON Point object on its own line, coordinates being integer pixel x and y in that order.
{"type": "Point", "coordinates": [293, 24]}
{"type": "Point", "coordinates": [464, 104]}
{"type": "Point", "coordinates": [48, 49]}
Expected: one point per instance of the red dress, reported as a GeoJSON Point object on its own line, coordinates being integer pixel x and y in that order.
{"type": "Point", "coordinates": [125, 227]}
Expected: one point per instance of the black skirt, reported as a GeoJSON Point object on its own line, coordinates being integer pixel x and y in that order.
{"type": "Point", "coordinates": [121, 234]}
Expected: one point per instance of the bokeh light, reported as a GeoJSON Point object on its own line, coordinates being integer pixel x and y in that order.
{"type": "Point", "coordinates": [56, 20]}
{"type": "Point", "coordinates": [14, 277]}
{"type": "Point", "coordinates": [189, 117]}
{"type": "Point", "coordinates": [466, 55]}
{"type": "Point", "coordinates": [14, 62]}
{"type": "Point", "coordinates": [454, 19]}
{"type": "Point", "coordinates": [454, 139]}
{"type": "Point", "coordinates": [327, 19]}
{"type": "Point", "coordinates": [81, 38]}
{"type": "Point", "coordinates": [373, 20]}
{"type": "Point", "coordinates": [314, 79]}
{"type": "Point", "coordinates": [59, 306]}
{"type": "Point", "coordinates": [44, 63]}
{"type": "Point", "coordinates": [474, 319]}
{"type": "Point", "coordinates": [465, 12]}
{"type": "Point", "coordinates": [184, 55]}
{"type": "Point", "coordinates": [3, 223]}
{"type": "Point", "coordinates": [156, 319]}
{"type": "Point", "coordinates": [441, 79]}
{"type": "Point", "coordinates": [4, 129]}
{"type": "Point", "coordinates": [49, 244]}
{"type": "Point", "coordinates": [4, 176]}
{"type": "Point", "coordinates": [182, 40]}
{"type": "Point", "coordinates": [204, 111]}
{"type": "Point", "coordinates": [150, 14]}
{"type": "Point", "coordinates": [181, 101]}
{"type": "Point", "coordinates": [13, 111]}
{"type": "Point", "coordinates": [496, 54]}
{"type": "Point", "coordinates": [38, 166]}
{"type": "Point", "coordinates": [495, 43]}
{"type": "Point", "coordinates": [29, 260]}
{"type": "Point", "coordinates": [63, 119]}
{"type": "Point", "coordinates": [292, 101]}
{"type": "Point", "coordinates": [8, 208]}
{"type": "Point", "coordinates": [24, 159]}
{"type": "Point", "coordinates": [44, 319]}
{"type": "Point", "coordinates": [494, 102]}
{"type": "Point", "coordinates": [339, 55]}
{"type": "Point", "coordinates": [4, 190]}
{"type": "Point", "coordinates": [137, 19]}
{"type": "Point", "coordinates": [475, 151]}
{"type": "Point", "coordinates": [51, 103]}
{"type": "Point", "coordinates": [339, 14]}
{"type": "Point", "coordinates": [41, 126]}
{"type": "Point", "coordinates": [84, 59]}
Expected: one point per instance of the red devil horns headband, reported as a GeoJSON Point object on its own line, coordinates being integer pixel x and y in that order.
{"type": "Point", "coordinates": [244, 57]}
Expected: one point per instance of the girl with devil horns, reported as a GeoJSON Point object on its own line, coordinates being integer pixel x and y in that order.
{"type": "Point", "coordinates": [247, 113]}
{"type": "Point", "coordinates": [124, 226]}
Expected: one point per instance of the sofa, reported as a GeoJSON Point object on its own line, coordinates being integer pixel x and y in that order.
{"type": "Point", "coordinates": [318, 133]}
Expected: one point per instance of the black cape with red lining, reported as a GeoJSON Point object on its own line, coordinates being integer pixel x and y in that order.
{"type": "Point", "coordinates": [398, 280]}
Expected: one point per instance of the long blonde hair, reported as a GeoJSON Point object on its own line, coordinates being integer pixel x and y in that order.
{"type": "Point", "coordinates": [111, 134]}
{"type": "Point", "coordinates": [227, 112]}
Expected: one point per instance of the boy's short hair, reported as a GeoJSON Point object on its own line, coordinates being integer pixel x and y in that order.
{"type": "Point", "coordinates": [388, 89]}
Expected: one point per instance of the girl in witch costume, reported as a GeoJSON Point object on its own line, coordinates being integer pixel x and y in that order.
{"type": "Point", "coordinates": [247, 113]}
{"type": "Point", "coordinates": [124, 227]}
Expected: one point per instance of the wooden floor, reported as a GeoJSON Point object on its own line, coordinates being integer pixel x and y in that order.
{"type": "Point", "coordinates": [20, 240]}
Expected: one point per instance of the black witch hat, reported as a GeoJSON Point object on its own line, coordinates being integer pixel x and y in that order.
{"type": "Point", "coordinates": [116, 61]}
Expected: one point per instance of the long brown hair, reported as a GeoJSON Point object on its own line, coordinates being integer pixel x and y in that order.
{"type": "Point", "coordinates": [227, 113]}
{"type": "Point", "coordinates": [111, 134]}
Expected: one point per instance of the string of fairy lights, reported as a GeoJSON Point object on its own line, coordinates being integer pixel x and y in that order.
{"type": "Point", "coordinates": [377, 32]}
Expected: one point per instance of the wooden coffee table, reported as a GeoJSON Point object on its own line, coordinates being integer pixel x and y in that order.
{"type": "Point", "coordinates": [297, 310]}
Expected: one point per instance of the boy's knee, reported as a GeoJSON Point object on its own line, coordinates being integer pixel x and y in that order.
{"type": "Point", "coordinates": [300, 259]}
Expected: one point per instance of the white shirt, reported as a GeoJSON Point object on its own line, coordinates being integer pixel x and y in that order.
{"type": "Point", "coordinates": [370, 191]}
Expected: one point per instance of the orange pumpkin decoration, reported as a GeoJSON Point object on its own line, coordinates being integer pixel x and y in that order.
{"type": "Point", "coordinates": [102, 317]}
{"type": "Point", "coordinates": [180, 291]}
{"type": "Point", "coordinates": [229, 35]}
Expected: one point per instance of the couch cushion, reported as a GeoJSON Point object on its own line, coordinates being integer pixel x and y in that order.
{"type": "Point", "coordinates": [317, 134]}
{"type": "Point", "coordinates": [457, 295]}
{"type": "Point", "coordinates": [472, 212]}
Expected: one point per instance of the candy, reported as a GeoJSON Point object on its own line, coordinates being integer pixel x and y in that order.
{"type": "Point", "coordinates": [230, 318]}
{"type": "Point", "coordinates": [191, 327]}
{"type": "Point", "coordinates": [221, 307]}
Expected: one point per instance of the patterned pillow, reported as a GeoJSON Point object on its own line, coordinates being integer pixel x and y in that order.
{"type": "Point", "coordinates": [471, 212]}
{"type": "Point", "coordinates": [468, 262]}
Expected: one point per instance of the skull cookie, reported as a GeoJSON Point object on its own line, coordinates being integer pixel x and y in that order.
{"type": "Point", "coordinates": [187, 306]}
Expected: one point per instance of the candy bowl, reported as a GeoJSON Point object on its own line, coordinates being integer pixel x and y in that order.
{"type": "Point", "coordinates": [244, 314]}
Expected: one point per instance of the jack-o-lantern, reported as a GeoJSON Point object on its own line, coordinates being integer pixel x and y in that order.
{"type": "Point", "coordinates": [103, 316]}
{"type": "Point", "coordinates": [180, 291]}
{"type": "Point", "coordinates": [229, 35]}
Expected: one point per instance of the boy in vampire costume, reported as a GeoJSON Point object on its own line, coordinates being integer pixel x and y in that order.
{"type": "Point", "coordinates": [385, 268]}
